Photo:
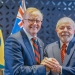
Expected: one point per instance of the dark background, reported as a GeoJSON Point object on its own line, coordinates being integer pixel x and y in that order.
{"type": "Point", "coordinates": [53, 10]}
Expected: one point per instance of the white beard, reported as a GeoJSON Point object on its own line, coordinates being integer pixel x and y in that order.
{"type": "Point", "coordinates": [66, 38]}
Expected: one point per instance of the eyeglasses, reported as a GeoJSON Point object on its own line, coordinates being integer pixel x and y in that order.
{"type": "Point", "coordinates": [32, 20]}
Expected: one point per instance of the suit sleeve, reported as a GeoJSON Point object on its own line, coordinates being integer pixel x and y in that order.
{"type": "Point", "coordinates": [45, 52]}
{"type": "Point", "coordinates": [68, 70]}
{"type": "Point", "coordinates": [46, 55]}
{"type": "Point", "coordinates": [14, 62]}
{"type": "Point", "coordinates": [49, 53]}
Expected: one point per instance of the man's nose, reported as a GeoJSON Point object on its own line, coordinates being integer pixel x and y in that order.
{"type": "Point", "coordinates": [65, 29]}
{"type": "Point", "coordinates": [35, 22]}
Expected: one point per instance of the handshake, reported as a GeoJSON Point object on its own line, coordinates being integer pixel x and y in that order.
{"type": "Point", "coordinates": [51, 64]}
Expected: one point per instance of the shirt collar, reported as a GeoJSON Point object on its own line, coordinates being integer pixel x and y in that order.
{"type": "Point", "coordinates": [62, 44]}
{"type": "Point", "coordinates": [28, 35]}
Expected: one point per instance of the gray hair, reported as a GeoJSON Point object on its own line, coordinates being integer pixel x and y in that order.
{"type": "Point", "coordinates": [64, 20]}
{"type": "Point", "coordinates": [31, 10]}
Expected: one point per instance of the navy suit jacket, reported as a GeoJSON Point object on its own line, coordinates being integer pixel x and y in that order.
{"type": "Point", "coordinates": [19, 56]}
{"type": "Point", "coordinates": [68, 66]}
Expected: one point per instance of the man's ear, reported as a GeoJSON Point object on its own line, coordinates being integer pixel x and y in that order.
{"type": "Point", "coordinates": [74, 31]}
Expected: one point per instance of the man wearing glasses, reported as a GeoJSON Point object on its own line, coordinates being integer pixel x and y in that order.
{"type": "Point", "coordinates": [24, 50]}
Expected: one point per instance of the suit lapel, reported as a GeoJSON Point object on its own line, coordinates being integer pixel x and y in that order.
{"type": "Point", "coordinates": [56, 51]}
{"type": "Point", "coordinates": [28, 45]}
{"type": "Point", "coordinates": [69, 52]}
{"type": "Point", "coordinates": [41, 50]}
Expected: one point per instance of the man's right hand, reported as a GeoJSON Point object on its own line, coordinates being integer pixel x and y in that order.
{"type": "Point", "coordinates": [44, 62]}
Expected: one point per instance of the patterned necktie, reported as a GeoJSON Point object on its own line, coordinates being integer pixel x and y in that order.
{"type": "Point", "coordinates": [63, 52]}
{"type": "Point", "coordinates": [36, 51]}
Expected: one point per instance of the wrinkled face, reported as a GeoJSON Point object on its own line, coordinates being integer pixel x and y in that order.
{"type": "Point", "coordinates": [32, 23]}
{"type": "Point", "coordinates": [65, 32]}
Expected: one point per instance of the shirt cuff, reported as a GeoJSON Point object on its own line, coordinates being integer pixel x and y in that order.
{"type": "Point", "coordinates": [61, 70]}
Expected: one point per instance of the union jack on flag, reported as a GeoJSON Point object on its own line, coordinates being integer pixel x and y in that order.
{"type": "Point", "coordinates": [19, 19]}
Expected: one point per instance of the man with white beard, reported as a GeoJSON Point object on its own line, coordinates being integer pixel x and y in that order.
{"type": "Point", "coordinates": [60, 55]}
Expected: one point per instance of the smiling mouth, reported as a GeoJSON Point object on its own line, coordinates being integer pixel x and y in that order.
{"type": "Point", "coordinates": [65, 36]}
{"type": "Point", "coordinates": [34, 27]}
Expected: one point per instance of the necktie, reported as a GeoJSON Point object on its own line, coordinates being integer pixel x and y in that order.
{"type": "Point", "coordinates": [63, 52]}
{"type": "Point", "coordinates": [36, 51]}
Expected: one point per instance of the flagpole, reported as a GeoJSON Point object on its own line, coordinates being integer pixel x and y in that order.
{"type": "Point", "coordinates": [23, 5]}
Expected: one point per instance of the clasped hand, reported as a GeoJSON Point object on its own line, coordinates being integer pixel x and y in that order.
{"type": "Point", "coordinates": [51, 64]}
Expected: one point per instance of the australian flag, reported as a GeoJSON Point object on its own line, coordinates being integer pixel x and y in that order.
{"type": "Point", "coordinates": [19, 19]}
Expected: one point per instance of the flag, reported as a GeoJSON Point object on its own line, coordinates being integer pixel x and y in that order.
{"type": "Point", "coordinates": [19, 19]}
{"type": "Point", "coordinates": [1, 51]}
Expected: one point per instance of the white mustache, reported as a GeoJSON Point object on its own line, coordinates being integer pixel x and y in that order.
{"type": "Point", "coordinates": [65, 34]}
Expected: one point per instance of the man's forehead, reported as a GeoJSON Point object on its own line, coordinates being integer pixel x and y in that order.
{"type": "Point", "coordinates": [34, 15]}
{"type": "Point", "coordinates": [65, 24]}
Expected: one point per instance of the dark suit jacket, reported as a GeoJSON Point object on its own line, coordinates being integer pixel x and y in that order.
{"type": "Point", "coordinates": [19, 56]}
{"type": "Point", "coordinates": [68, 66]}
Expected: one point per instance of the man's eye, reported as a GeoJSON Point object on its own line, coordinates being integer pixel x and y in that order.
{"type": "Point", "coordinates": [31, 20]}
{"type": "Point", "coordinates": [69, 28]}
{"type": "Point", "coordinates": [61, 28]}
